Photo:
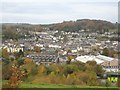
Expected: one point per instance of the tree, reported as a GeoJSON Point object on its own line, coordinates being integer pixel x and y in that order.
{"type": "Point", "coordinates": [71, 79]}
{"type": "Point", "coordinates": [80, 65]}
{"type": "Point", "coordinates": [92, 63]}
{"type": "Point", "coordinates": [69, 56]}
{"type": "Point", "coordinates": [93, 66]}
{"type": "Point", "coordinates": [31, 68]}
{"type": "Point", "coordinates": [27, 61]}
{"type": "Point", "coordinates": [37, 49]}
{"type": "Point", "coordinates": [105, 52]}
{"type": "Point", "coordinates": [69, 59]}
{"type": "Point", "coordinates": [10, 34]}
{"type": "Point", "coordinates": [16, 77]}
{"type": "Point", "coordinates": [20, 62]}
{"type": "Point", "coordinates": [69, 69]}
{"type": "Point", "coordinates": [5, 53]}
{"type": "Point", "coordinates": [14, 80]}
{"type": "Point", "coordinates": [6, 73]}
{"type": "Point", "coordinates": [99, 71]}
{"type": "Point", "coordinates": [42, 69]}
{"type": "Point", "coordinates": [21, 53]}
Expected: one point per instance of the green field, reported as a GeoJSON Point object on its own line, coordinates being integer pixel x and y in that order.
{"type": "Point", "coordinates": [47, 85]}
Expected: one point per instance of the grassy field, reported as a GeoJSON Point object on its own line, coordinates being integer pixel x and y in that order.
{"type": "Point", "coordinates": [46, 85]}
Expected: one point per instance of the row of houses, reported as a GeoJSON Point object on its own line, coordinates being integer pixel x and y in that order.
{"type": "Point", "coordinates": [44, 58]}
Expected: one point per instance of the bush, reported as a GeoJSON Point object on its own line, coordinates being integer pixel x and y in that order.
{"type": "Point", "coordinates": [20, 62]}
{"type": "Point", "coordinates": [69, 69]}
{"type": "Point", "coordinates": [42, 70]}
{"type": "Point", "coordinates": [80, 65]}
{"type": "Point", "coordinates": [71, 79]}
{"type": "Point", "coordinates": [6, 73]}
{"type": "Point", "coordinates": [57, 68]}
{"type": "Point", "coordinates": [31, 68]}
{"type": "Point", "coordinates": [27, 61]}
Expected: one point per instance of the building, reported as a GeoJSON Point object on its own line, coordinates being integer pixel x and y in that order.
{"type": "Point", "coordinates": [109, 64]}
{"type": "Point", "coordinates": [43, 58]}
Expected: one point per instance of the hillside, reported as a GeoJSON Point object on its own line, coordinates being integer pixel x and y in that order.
{"type": "Point", "coordinates": [65, 26]}
{"type": "Point", "coordinates": [18, 30]}
{"type": "Point", "coordinates": [93, 25]}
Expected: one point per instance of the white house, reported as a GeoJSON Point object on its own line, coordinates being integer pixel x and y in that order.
{"type": "Point", "coordinates": [14, 49]}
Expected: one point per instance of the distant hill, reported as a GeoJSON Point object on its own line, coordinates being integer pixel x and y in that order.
{"type": "Point", "coordinates": [21, 26]}
{"type": "Point", "coordinates": [15, 30]}
{"type": "Point", "coordinates": [77, 25]}
{"type": "Point", "coordinates": [93, 25]}
{"type": "Point", "coordinates": [18, 30]}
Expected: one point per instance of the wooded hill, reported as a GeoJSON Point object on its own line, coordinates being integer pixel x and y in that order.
{"type": "Point", "coordinates": [18, 30]}
{"type": "Point", "coordinates": [65, 26]}
{"type": "Point", "coordinates": [92, 25]}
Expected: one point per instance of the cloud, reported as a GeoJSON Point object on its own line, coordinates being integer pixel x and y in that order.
{"type": "Point", "coordinates": [44, 1]}
{"type": "Point", "coordinates": [51, 11]}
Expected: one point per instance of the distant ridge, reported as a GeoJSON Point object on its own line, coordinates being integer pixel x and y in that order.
{"type": "Point", "coordinates": [84, 24]}
{"type": "Point", "coordinates": [77, 25]}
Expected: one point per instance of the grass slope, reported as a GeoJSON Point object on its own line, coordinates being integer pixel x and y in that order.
{"type": "Point", "coordinates": [54, 86]}
{"type": "Point", "coordinates": [45, 85]}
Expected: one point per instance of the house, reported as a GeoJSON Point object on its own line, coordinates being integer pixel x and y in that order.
{"type": "Point", "coordinates": [12, 49]}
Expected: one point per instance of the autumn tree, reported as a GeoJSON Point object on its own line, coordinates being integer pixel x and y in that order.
{"type": "Point", "coordinates": [69, 56]}
{"type": "Point", "coordinates": [99, 70]}
{"type": "Point", "coordinates": [80, 65]}
{"type": "Point", "coordinates": [37, 49]}
{"type": "Point", "coordinates": [14, 80]}
{"type": "Point", "coordinates": [5, 53]}
{"type": "Point", "coordinates": [69, 69]}
{"type": "Point", "coordinates": [42, 69]}
{"type": "Point", "coordinates": [31, 68]}
{"type": "Point", "coordinates": [93, 66]}
{"type": "Point", "coordinates": [27, 61]}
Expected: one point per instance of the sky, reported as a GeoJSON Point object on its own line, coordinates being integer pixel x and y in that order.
{"type": "Point", "coordinates": [55, 11]}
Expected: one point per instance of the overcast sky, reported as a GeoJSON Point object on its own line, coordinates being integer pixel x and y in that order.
{"type": "Point", "coordinates": [53, 11]}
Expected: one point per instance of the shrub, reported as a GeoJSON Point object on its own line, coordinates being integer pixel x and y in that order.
{"type": "Point", "coordinates": [70, 80]}
{"type": "Point", "coordinates": [31, 68]}
{"type": "Point", "coordinates": [20, 62]}
{"type": "Point", "coordinates": [27, 61]}
{"type": "Point", "coordinates": [42, 70]}
{"type": "Point", "coordinates": [80, 65]}
{"type": "Point", "coordinates": [69, 69]}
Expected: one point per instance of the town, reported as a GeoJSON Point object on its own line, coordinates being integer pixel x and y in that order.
{"type": "Point", "coordinates": [55, 46]}
{"type": "Point", "coordinates": [48, 47]}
